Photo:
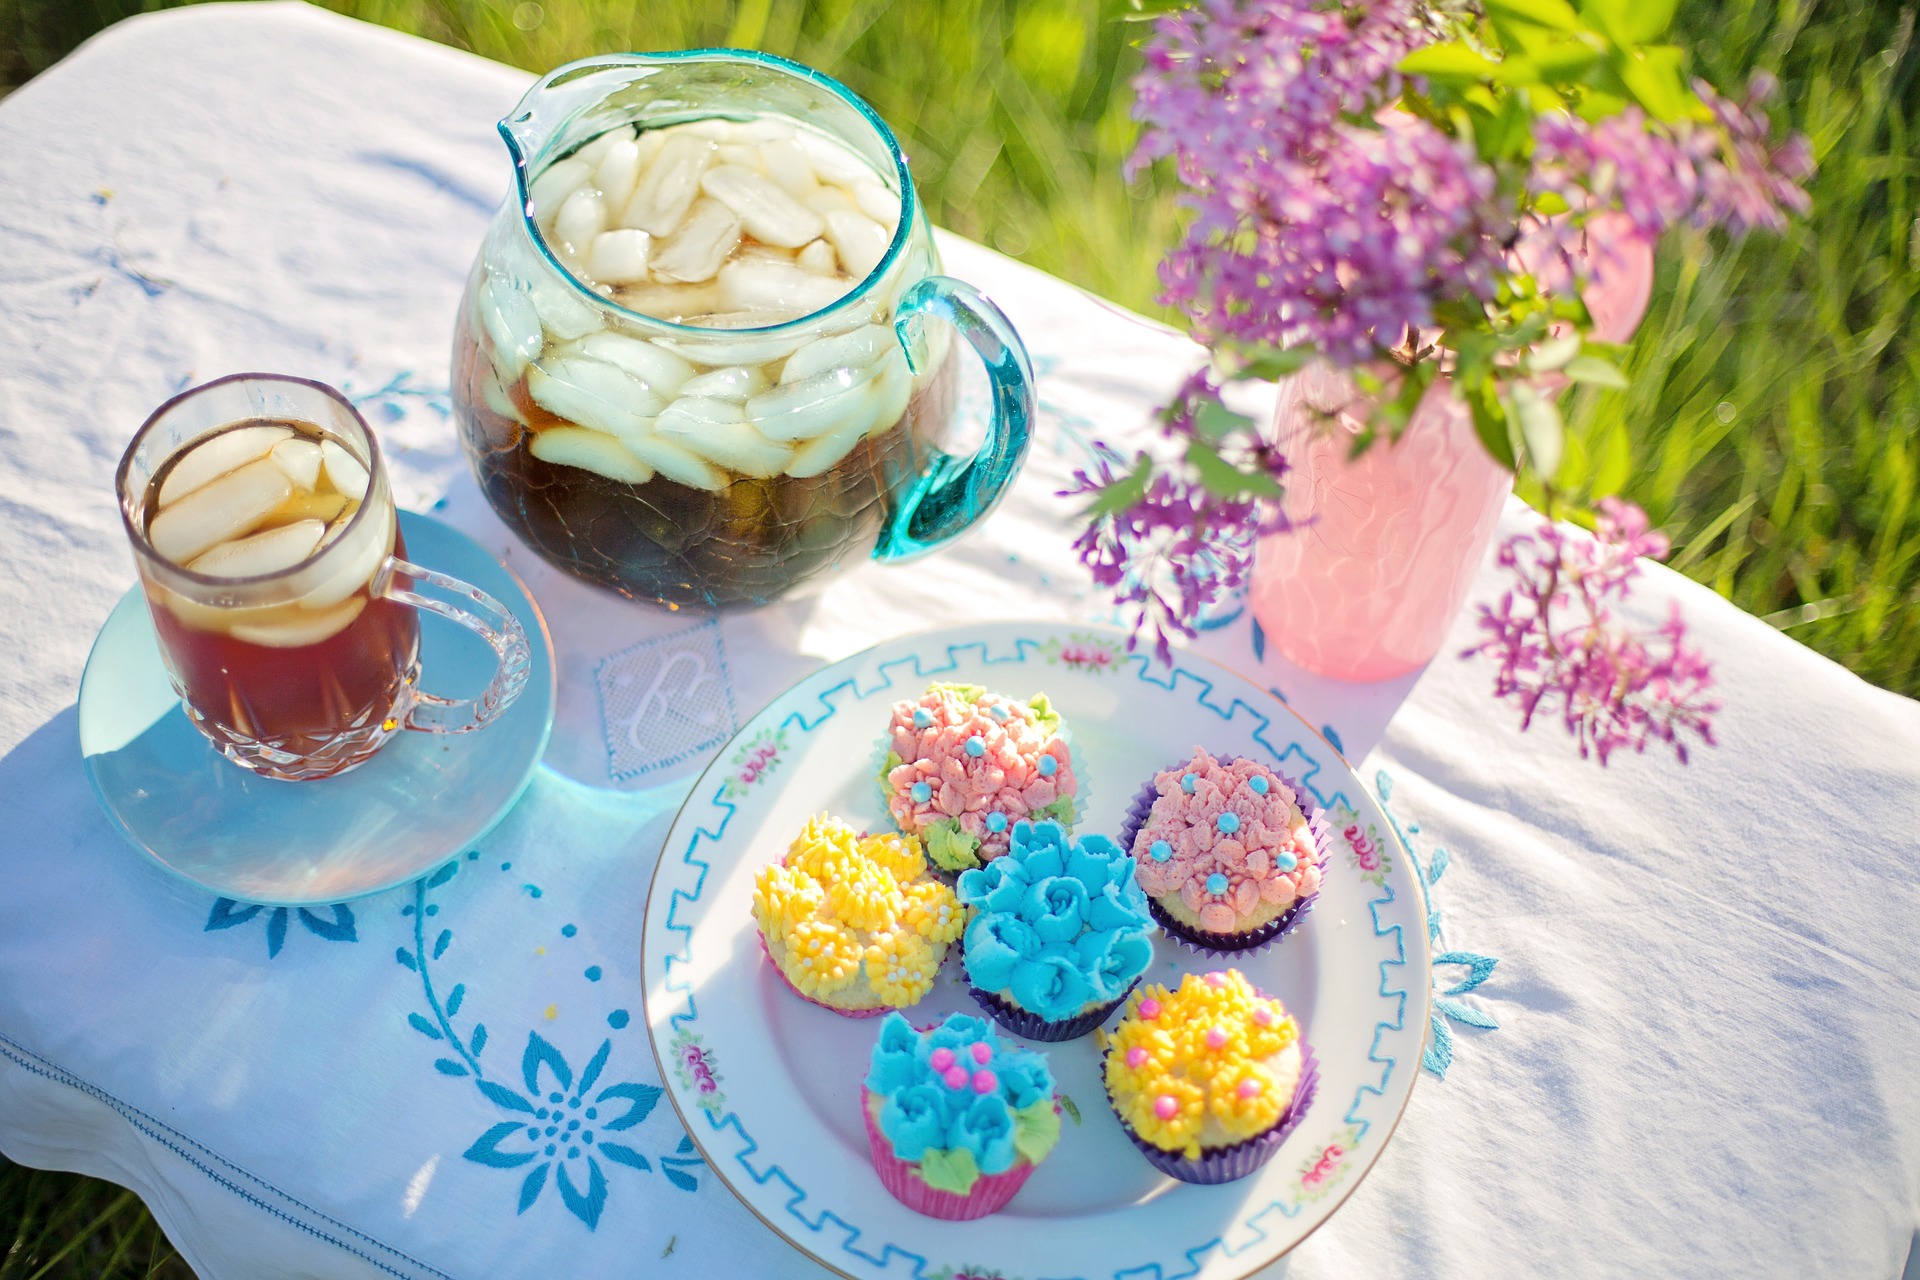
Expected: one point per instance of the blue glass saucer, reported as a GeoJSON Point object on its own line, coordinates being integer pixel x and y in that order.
{"type": "Point", "coordinates": [424, 798]}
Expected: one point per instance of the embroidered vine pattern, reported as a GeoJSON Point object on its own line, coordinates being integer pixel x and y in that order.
{"type": "Point", "coordinates": [693, 1067]}
{"type": "Point", "coordinates": [1327, 1167]}
{"type": "Point", "coordinates": [1080, 652]}
{"type": "Point", "coordinates": [753, 760]}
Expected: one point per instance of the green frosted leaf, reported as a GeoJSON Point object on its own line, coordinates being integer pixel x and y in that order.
{"type": "Point", "coordinates": [1036, 1129]}
{"type": "Point", "coordinates": [1044, 714]}
{"type": "Point", "coordinates": [951, 848]}
{"type": "Point", "coordinates": [953, 1171]}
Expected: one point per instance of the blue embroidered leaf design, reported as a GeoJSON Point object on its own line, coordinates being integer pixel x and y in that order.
{"type": "Point", "coordinates": [539, 1051]}
{"type": "Point", "coordinates": [585, 1207]}
{"type": "Point", "coordinates": [276, 931]}
{"type": "Point", "coordinates": [1259, 642]}
{"type": "Point", "coordinates": [1333, 735]}
{"type": "Point", "coordinates": [641, 1098]}
{"type": "Point", "coordinates": [444, 874]}
{"type": "Point", "coordinates": [338, 929]}
{"type": "Point", "coordinates": [1479, 969]}
{"type": "Point", "coordinates": [227, 913]}
{"type": "Point", "coordinates": [592, 1072]}
{"type": "Point", "coordinates": [1441, 859]}
{"type": "Point", "coordinates": [454, 997]}
{"type": "Point", "coordinates": [486, 1148]}
{"type": "Point", "coordinates": [531, 1188]}
{"type": "Point", "coordinates": [1439, 1054]}
{"type": "Point", "coordinates": [448, 1067]}
{"type": "Point", "coordinates": [440, 943]}
{"type": "Point", "coordinates": [503, 1096]}
{"type": "Point", "coordinates": [405, 957]}
{"type": "Point", "coordinates": [681, 1180]}
{"type": "Point", "coordinates": [1463, 1013]}
{"type": "Point", "coordinates": [424, 1027]}
{"type": "Point", "coordinates": [686, 1144]}
{"type": "Point", "coordinates": [479, 1040]}
{"type": "Point", "coordinates": [619, 1154]}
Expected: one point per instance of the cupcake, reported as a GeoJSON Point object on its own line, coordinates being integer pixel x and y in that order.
{"type": "Point", "coordinates": [1229, 852]}
{"type": "Point", "coordinates": [1059, 933]}
{"type": "Point", "coordinates": [1210, 1079]}
{"type": "Point", "coordinates": [956, 1117]}
{"type": "Point", "coordinates": [963, 765]}
{"type": "Point", "coordinates": [854, 923]}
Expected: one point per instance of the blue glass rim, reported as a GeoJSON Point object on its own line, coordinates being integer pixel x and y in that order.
{"type": "Point", "coordinates": [585, 66]}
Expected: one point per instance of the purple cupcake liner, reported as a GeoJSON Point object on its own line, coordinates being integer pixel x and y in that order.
{"type": "Point", "coordinates": [1226, 1164]}
{"type": "Point", "coordinates": [1224, 945]}
{"type": "Point", "coordinates": [1032, 1026]}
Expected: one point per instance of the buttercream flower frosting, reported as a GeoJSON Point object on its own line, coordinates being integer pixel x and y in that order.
{"type": "Point", "coordinates": [855, 921]}
{"type": "Point", "coordinates": [1210, 1064]}
{"type": "Point", "coordinates": [960, 1101]}
{"type": "Point", "coordinates": [964, 765]}
{"type": "Point", "coordinates": [1225, 846]}
{"type": "Point", "coordinates": [1059, 924]}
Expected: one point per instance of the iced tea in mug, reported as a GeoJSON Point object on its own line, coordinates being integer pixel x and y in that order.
{"type": "Point", "coordinates": [275, 571]}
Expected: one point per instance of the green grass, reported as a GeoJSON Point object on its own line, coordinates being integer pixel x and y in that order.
{"type": "Point", "coordinates": [1774, 424]}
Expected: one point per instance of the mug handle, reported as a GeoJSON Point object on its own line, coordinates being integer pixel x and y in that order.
{"type": "Point", "coordinates": [951, 493]}
{"type": "Point", "coordinates": [481, 614]}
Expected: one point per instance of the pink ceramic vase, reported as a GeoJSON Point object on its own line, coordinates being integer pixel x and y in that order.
{"type": "Point", "coordinates": [1369, 588]}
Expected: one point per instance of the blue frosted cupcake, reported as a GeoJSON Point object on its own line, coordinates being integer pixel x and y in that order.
{"type": "Point", "coordinates": [1060, 932]}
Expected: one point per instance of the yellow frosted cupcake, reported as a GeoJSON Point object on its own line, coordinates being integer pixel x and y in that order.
{"type": "Point", "coordinates": [855, 923]}
{"type": "Point", "coordinates": [1209, 1079]}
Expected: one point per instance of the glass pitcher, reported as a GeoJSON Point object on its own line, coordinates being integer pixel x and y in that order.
{"type": "Point", "coordinates": [763, 435]}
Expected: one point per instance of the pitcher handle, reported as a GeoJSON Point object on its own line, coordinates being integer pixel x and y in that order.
{"type": "Point", "coordinates": [952, 493]}
{"type": "Point", "coordinates": [487, 618]}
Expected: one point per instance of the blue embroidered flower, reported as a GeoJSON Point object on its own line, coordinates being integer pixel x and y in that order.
{"type": "Point", "coordinates": [228, 914]}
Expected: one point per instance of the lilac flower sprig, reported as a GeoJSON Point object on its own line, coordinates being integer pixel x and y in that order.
{"type": "Point", "coordinates": [1561, 649]}
{"type": "Point", "coordinates": [1174, 537]}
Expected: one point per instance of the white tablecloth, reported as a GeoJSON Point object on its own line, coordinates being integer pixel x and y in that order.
{"type": "Point", "coordinates": [1707, 1060]}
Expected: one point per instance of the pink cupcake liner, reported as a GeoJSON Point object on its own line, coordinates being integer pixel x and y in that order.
{"type": "Point", "coordinates": [1225, 945]}
{"type": "Point", "coordinates": [787, 982]}
{"type": "Point", "coordinates": [1032, 1026]}
{"type": "Point", "coordinates": [902, 1180]}
{"type": "Point", "coordinates": [1226, 1164]}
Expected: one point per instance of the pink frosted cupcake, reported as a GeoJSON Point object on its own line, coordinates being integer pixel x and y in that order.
{"type": "Point", "coordinates": [1229, 852]}
{"type": "Point", "coordinates": [963, 765]}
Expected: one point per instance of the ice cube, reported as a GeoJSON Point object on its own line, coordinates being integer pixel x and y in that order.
{"type": "Point", "coordinates": [833, 162]}
{"type": "Point", "coordinates": [694, 252]}
{"type": "Point", "coordinates": [718, 352]}
{"type": "Point", "coordinates": [512, 324]}
{"type": "Point", "coordinates": [761, 129]}
{"type": "Point", "coordinates": [581, 218]}
{"type": "Point", "coordinates": [877, 203]}
{"type": "Point", "coordinates": [564, 313]}
{"type": "Point", "coordinates": [718, 431]}
{"type": "Point", "coordinates": [358, 558]}
{"type": "Point", "coordinates": [759, 285]}
{"type": "Point", "coordinates": [618, 172]}
{"type": "Point", "coordinates": [786, 163]}
{"type": "Point", "coordinates": [673, 302]}
{"type": "Point", "coordinates": [768, 213]}
{"type": "Point", "coordinates": [893, 389]}
{"type": "Point", "coordinates": [737, 384]}
{"type": "Point", "coordinates": [268, 552]}
{"type": "Point", "coordinates": [597, 150]}
{"type": "Point", "coordinates": [813, 407]}
{"type": "Point", "coordinates": [555, 183]}
{"type": "Point", "coordinates": [822, 453]}
{"type": "Point", "coordinates": [660, 372]}
{"type": "Point", "coordinates": [593, 451]}
{"type": "Point", "coordinates": [234, 504]}
{"type": "Point", "coordinates": [619, 256]}
{"type": "Point", "coordinates": [738, 154]}
{"type": "Point", "coordinates": [857, 350]}
{"type": "Point", "coordinates": [819, 258]}
{"type": "Point", "coordinates": [323, 507]}
{"type": "Point", "coordinates": [676, 462]}
{"type": "Point", "coordinates": [346, 473]}
{"type": "Point", "coordinates": [592, 394]}
{"type": "Point", "coordinates": [859, 240]}
{"type": "Point", "coordinates": [217, 455]}
{"type": "Point", "coordinates": [297, 628]}
{"type": "Point", "coordinates": [666, 189]}
{"type": "Point", "coordinates": [300, 459]}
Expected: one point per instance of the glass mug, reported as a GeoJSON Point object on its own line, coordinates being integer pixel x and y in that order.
{"type": "Point", "coordinates": [264, 531]}
{"type": "Point", "coordinates": [734, 453]}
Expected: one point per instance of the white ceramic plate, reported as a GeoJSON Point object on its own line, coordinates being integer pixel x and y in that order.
{"type": "Point", "coordinates": [769, 1085]}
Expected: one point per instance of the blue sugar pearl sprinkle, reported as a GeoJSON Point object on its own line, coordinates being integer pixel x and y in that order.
{"type": "Point", "coordinates": [920, 792]}
{"type": "Point", "coordinates": [996, 822]}
{"type": "Point", "coordinates": [1160, 850]}
{"type": "Point", "coordinates": [1260, 785]}
{"type": "Point", "coordinates": [922, 718]}
{"type": "Point", "coordinates": [997, 711]}
{"type": "Point", "coordinates": [1228, 823]}
{"type": "Point", "coordinates": [1285, 861]}
{"type": "Point", "coordinates": [976, 747]}
{"type": "Point", "coordinates": [1217, 883]}
{"type": "Point", "coordinates": [1186, 783]}
{"type": "Point", "coordinates": [1048, 766]}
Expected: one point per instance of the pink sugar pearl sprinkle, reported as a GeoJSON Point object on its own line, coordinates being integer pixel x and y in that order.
{"type": "Point", "coordinates": [1149, 1009]}
{"type": "Point", "coordinates": [941, 1059]}
{"type": "Point", "coordinates": [981, 1053]}
{"type": "Point", "coordinates": [956, 1077]}
{"type": "Point", "coordinates": [1136, 1056]}
{"type": "Point", "coordinates": [1165, 1106]}
{"type": "Point", "coordinates": [1217, 1037]}
{"type": "Point", "coordinates": [1249, 1088]}
{"type": "Point", "coordinates": [985, 1082]}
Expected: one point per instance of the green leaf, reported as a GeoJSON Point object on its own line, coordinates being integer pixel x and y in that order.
{"type": "Point", "coordinates": [954, 1171]}
{"type": "Point", "coordinates": [1596, 371]}
{"type": "Point", "coordinates": [1073, 1110]}
{"type": "Point", "coordinates": [1614, 465]}
{"type": "Point", "coordinates": [1630, 22]}
{"type": "Point", "coordinates": [1555, 14]}
{"type": "Point", "coordinates": [1562, 62]}
{"type": "Point", "coordinates": [1273, 363]}
{"type": "Point", "coordinates": [1550, 203]}
{"type": "Point", "coordinates": [1538, 420]}
{"type": "Point", "coordinates": [1554, 354]}
{"type": "Point", "coordinates": [1225, 480]}
{"type": "Point", "coordinates": [1214, 422]}
{"type": "Point", "coordinates": [1036, 1129]}
{"type": "Point", "coordinates": [1450, 64]}
{"type": "Point", "coordinates": [1654, 78]}
{"type": "Point", "coordinates": [1124, 492]}
{"type": "Point", "coordinates": [1490, 421]}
